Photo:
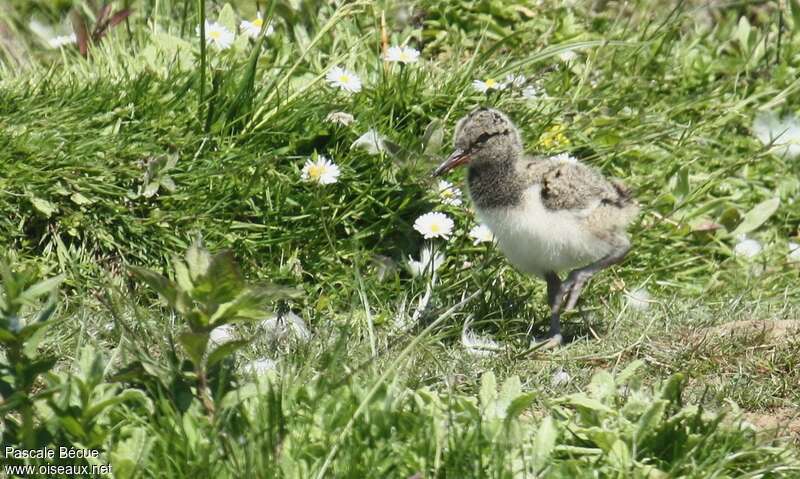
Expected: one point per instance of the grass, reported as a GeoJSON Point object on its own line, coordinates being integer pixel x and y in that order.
{"type": "Point", "coordinates": [115, 163]}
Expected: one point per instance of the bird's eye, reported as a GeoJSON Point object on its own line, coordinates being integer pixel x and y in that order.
{"type": "Point", "coordinates": [483, 138]}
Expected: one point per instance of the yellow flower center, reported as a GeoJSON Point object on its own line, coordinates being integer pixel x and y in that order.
{"type": "Point", "coordinates": [215, 34]}
{"type": "Point", "coordinates": [435, 228]}
{"type": "Point", "coordinates": [315, 171]}
{"type": "Point", "coordinates": [490, 83]}
{"type": "Point", "coordinates": [344, 79]}
{"type": "Point", "coordinates": [448, 193]}
{"type": "Point", "coordinates": [257, 23]}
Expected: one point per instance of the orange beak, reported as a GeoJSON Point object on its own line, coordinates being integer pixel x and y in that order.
{"type": "Point", "coordinates": [458, 158]}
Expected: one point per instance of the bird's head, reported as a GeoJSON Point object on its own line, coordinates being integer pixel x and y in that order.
{"type": "Point", "coordinates": [484, 135]}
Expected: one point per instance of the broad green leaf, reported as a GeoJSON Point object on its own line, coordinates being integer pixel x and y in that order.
{"type": "Point", "coordinates": [225, 350]}
{"type": "Point", "coordinates": [227, 17]}
{"type": "Point", "coordinates": [41, 288]}
{"type": "Point", "coordinates": [226, 280]}
{"type": "Point", "coordinates": [519, 404]}
{"type": "Point", "coordinates": [602, 386]}
{"type": "Point", "coordinates": [629, 371]}
{"type": "Point", "coordinates": [545, 442]}
{"type": "Point", "coordinates": [182, 276]}
{"type": "Point", "coordinates": [757, 216]}
{"type": "Point", "coordinates": [582, 401]}
{"type": "Point", "coordinates": [794, 8]}
{"type": "Point", "coordinates": [620, 456]}
{"type": "Point", "coordinates": [126, 395]}
{"type": "Point", "coordinates": [79, 199]}
{"type": "Point", "coordinates": [197, 259]}
{"type": "Point", "coordinates": [162, 285]}
{"type": "Point", "coordinates": [129, 453]}
{"type": "Point", "coordinates": [195, 345]}
{"type": "Point", "coordinates": [743, 33]}
{"type": "Point", "coordinates": [649, 421]}
{"type": "Point", "coordinates": [43, 206]}
{"type": "Point", "coordinates": [488, 393]}
{"type": "Point", "coordinates": [433, 138]}
{"type": "Point", "coordinates": [671, 389]}
{"type": "Point", "coordinates": [151, 189]}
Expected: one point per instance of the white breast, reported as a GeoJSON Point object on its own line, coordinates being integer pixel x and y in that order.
{"type": "Point", "coordinates": [537, 240]}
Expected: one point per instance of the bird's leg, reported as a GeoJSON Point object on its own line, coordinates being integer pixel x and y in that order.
{"type": "Point", "coordinates": [554, 295]}
{"type": "Point", "coordinates": [578, 278]}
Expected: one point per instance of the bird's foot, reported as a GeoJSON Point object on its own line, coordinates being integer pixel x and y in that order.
{"type": "Point", "coordinates": [551, 341]}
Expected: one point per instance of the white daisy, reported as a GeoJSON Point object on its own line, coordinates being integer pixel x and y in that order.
{"type": "Point", "coordinates": [344, 80]}
{"type": "Point", "coordinates": [516, 81]}
{"type": "Point", "coordinates": [371, 142]}
{"type": "Point", "coordinates": [449, 194]}
{"type": "Point", "coordinates": [278, 327]}
{"type": "Point", "coordinates": [253, 27]}
{"type": "Point", "coordinates": [322, 171]}
{"type": "Point", "coordinates": [426, 263]}
{"type": "Point", "coordinates": [564, 158]}
{"type": "Point", "coordinates": [481, 234]}
{"type": "Point", "coordinates": [560, 378]}
{"type": "Point", "coordinates": [222, 334]}
{"type": "Point", "coordinates": [530, 92]}
{"type": "Point", "coordinates": [639, 299]}
{"type": "Point", "coordinates": [782, 133]}
{"type": "Point", "coordinates": [478, 345]}
{"type": "Point", "coordinates": [434, 225]}
{"type": "Point", "coordinates": [340, 117]}
{"type": "Point", "coordinates": [62, 40]}
{"type": "Point", "coordinates": [794, 252]}
{"type": "Point", "coordinates": [747, 248]}
{"type": "Point", "coordinates": [218, 35]}
{"type": "Point", "coordinates": [402, 55]}
{"type": "Point", "coordinates": [259, 366]}
{"type": "Point", "coordinates": [568, 56]}
{"type": "Point", "coordinates": [483, 86]}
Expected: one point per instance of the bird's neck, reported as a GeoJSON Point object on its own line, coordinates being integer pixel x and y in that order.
{"type": "Point", "coordinates": [494, 183]}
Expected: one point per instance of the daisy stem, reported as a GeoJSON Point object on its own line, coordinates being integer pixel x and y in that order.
{"type": "Point", "coordinates": [201, 10]}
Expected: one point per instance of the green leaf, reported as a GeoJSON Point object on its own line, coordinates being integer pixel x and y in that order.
{"type": "Point", "coordinates": [743, 33]}
{"type": "Point", "coordinates": [197, 259]}
{"type": "Point", "coordinates": [227, 17]}
{"type": "Point", "coordinates": [79, 199]}
{"type": "Point", "coordinates": [162, 285]}
{"type": "Point", "coordinates": [648, 422]}
{"type": "Point", "coordinates": [488, 393]}
{"type": "Point", "coordinates": [182, 276]}
{"type": "Point", "coordinates": [545, 442]}
{"type": "Point", "coordinates": [519, 404]}
{"type": "Point", "coordinates": [126, 395]}
{"type": "Point", "coordinates": [580, 400]}
{"type": "Point", "coordinates": [195, 345]}
{"type": "Point", "coordinates": [620, 456]}
{"type": "Point", "coordinates": [224, 280]}
{"type": "Point", "coordinates": [757, 216]}
{"type": "Point", "coordinates": [433, 137]}
{"type": "Point", "coordinates": [602, 386]}
{"type": "Point", "coordinates": [629, 371]}
{"type": "Point", "coordinates": [128, 454]}
{"type": "Point", "coordinates": [151, 189]}
{"type": "Point", "coordinates": [794, 9]}
{"type": "Point", "coordinates": [225, 350]}
{"type": "Point", "coordinates": [41, 288]}
{"type": "Point", "coordinates": [43, 206]}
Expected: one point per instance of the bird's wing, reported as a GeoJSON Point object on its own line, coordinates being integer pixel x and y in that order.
{"type": "Point", "coordinates": [568, 185]}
